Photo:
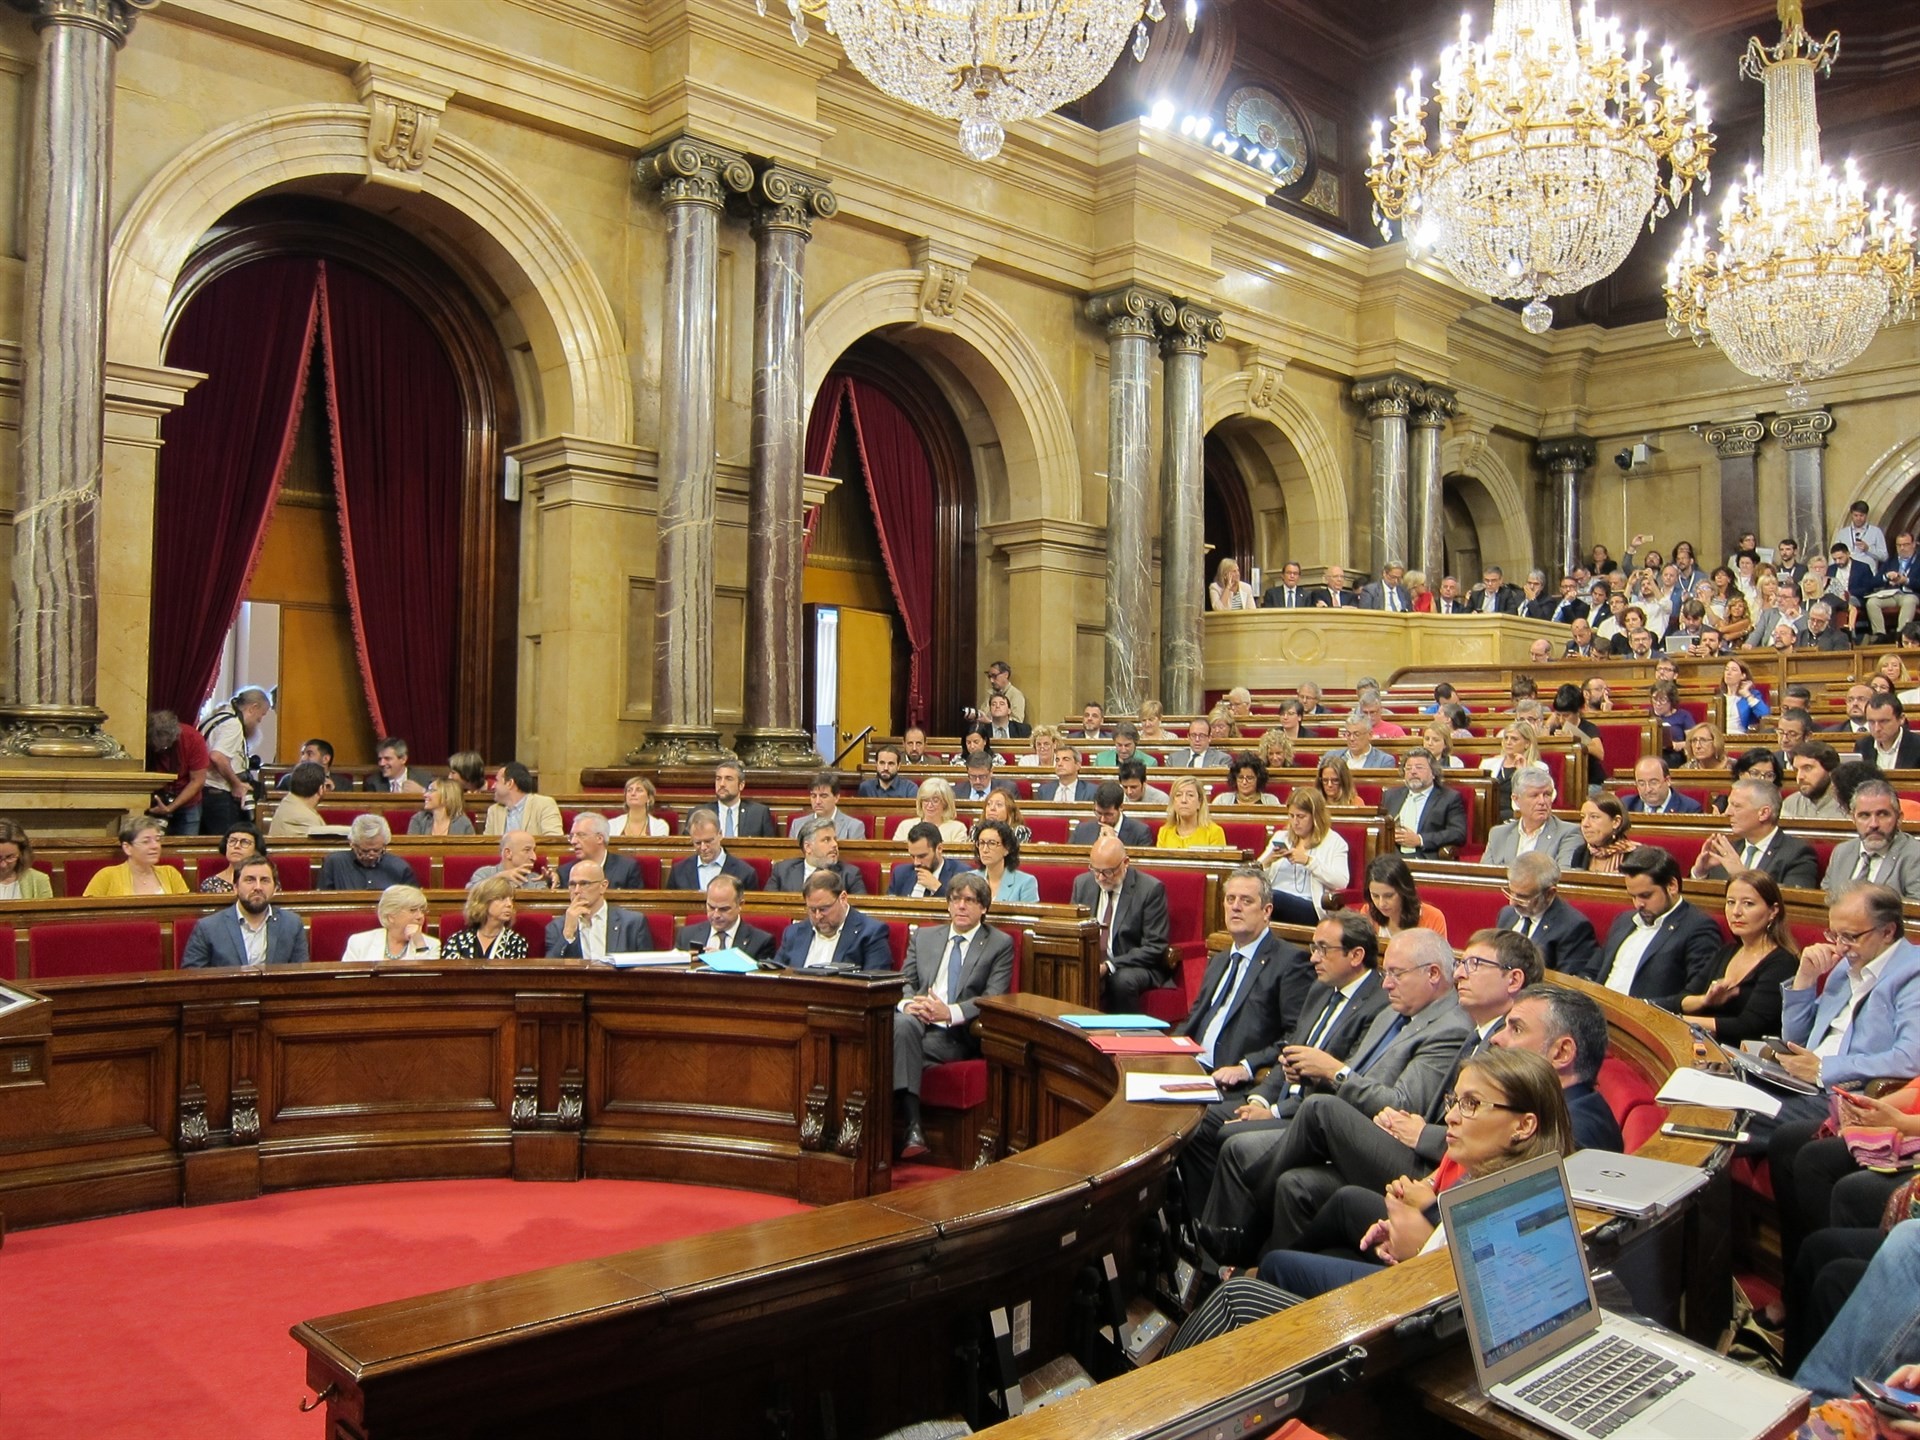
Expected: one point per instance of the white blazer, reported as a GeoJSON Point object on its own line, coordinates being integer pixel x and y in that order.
{"type": "Point", "coordinates": [369, 947]}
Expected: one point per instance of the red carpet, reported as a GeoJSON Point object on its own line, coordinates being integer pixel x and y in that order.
{"type": "Point", "coordinates": [174, 1322]}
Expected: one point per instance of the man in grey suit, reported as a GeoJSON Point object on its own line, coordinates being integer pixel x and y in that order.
{"type": "Point", "coordinates": [252, 932]}
{"type": "Point", "coordinates": [1201, 753]}
{"type": "Point", "coordinates": [1130, 907]}
{"type": "Point", "coordinates": [949, 969]}
{"type": "Point", "coordinates": [1880, 852]}
{"type": "Point", "coordinates": [1386, 593]}
{"type": "Point", "coordinates": [1402, 1062]}
{"type": "Point", "coordinates": [819, 850]}
{"type": "Point", "coordinates": [1067, 784]}
{"type": "Point", "coordinates": [823, 797]}
{"type": "Point", "coordinates": [1534, 826]}
{"type": "Point", "coordinates": [589, 928]}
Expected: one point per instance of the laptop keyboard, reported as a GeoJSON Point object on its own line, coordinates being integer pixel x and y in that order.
{"type": "Point", "coordinates": [1603, 1388]}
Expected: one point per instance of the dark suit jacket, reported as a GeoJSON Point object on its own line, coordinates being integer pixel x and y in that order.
{"type": "Point", "coordinates": [1016, 730]}
{"type": "Point", "coordinates": [756, 821]}
{"type": "Point", "coordinates": [1368, 1001]}
{"type": "Point", "coordinates": [1131, 831]}
{"type": "Point", "coordinates": [901, 881]}
{"type": "Point", "coordinates": [626, 930]}
{"type": "Point", "coordinates": [1507, 599]}
{"type": "Point", "coordinates": [622, 872]}
{"type": "Point", "coordinates": [1548, 606]}
{"type": "Point", "coordinates": [1594, 1126]}
{"type": "Point", "coordinates": [750, 938]}
{"type": "Point", "coordinates": [1677, 804]}
{"type": "Point", "coordinates": [1139, 925]}
{"type": "Point", "coordinates": [1909, 750]}
{"type": "Point", "coordinates": [1323, 595]}
{"type": "Point", "coordinates": [1443, 823]}
{"type": "Point", "coordinates": [340, 871]}
{"type": "Point", "coordinates": [987, 967]}
{"type": "Point", "coordinates": [1789, 860]}
{"type": "Point", "coordinates": [216, 942]}
{"type": "Point", "coordinates": [1678, 962]}
{"type": "Point", "coordinates": [1082, 790]}
{"type": "Point", "coordinates": [1563, 936]}
{"type": "Point", "coordinates": [790, 875]}
{"type": "Point", "coordinates": [964, 791]}
{"type": "Point", "coordinates": [1268, 1004]}
{"type": "Point", "coordinates": [685, 874]}
{"type": "Point", "coordinates": [862, 942]}
{"type": "Point", "coordinates": [377, 782]}
{"type": "Point", "coordinates": [1275, 597]}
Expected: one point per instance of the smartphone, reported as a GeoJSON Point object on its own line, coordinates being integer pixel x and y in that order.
{"type": "Point", "coordinates": [1901, 1404]}
{"type": "Point", "coordinates": [1703, 1132]}
{"type": "Point", "coordinates": [1775, 1043]}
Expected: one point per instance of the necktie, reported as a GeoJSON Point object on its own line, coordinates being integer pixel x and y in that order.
{"type": "Point", "coordinates": [1111, 903]}
{"type": "Point", "coordinates": [1217, 1008]}
{"type": "Point", "coordinates": [726, 821]}
{"type": "Point", "coordinates": [1865, 872]}
{"type": "Point", "coordinates": [1324, 1022]}
{"type": "Point", "coordinates": [1526, 927]}
{"type": "Point", "coordinates": [949, 979]}
{"type": "Point", "coordinates": [1289, 597]}
{"type": "Point", "coordinates": [1393, 599]}
{"type": "Point", "coordinates": [715, 940]}
{"type": "Point", "coordinates": [1747, 854]}
{"type": "Point", "coordinates": [1383, 1044]}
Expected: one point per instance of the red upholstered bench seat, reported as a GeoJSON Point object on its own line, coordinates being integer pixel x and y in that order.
{"type": "Point", "coordinates": [92, 947]}
{"type": "Point", "coordinates": [1630, 1096]}
{"type": "Point", "coordinates": [956, 1085]}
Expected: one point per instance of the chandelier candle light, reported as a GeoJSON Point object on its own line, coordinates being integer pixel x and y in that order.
{"type": "Point", "coordinates": [985, 63]}
{"type": "Point", "coordinates": [1806, 271]}
{"type": "Point", "coordinates": [1547, 153]}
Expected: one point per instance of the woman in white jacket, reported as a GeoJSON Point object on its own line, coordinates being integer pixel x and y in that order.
{"type": "Point", "coordinates": [1306, 860]}
{"type": "Point", "coordinates": [402, 934]}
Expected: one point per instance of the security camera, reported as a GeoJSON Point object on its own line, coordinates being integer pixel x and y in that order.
{"type": "Point", "coordinates": [1624, 460]}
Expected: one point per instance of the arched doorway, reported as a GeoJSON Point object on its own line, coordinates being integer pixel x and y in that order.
{"type": "Point", "coordinates": [1228, 524]}
{"type": "Point", "coordinates": [1460, 545]}
{"type": "Point", "coordinates": [397, 408]}
{"type": "Point", "coordinates": [1904, 513]}
{"type": "Point", "coordinates": [895, 541]}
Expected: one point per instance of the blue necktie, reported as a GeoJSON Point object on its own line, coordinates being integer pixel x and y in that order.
{"type": "Point", "coordinates": [1383, 1043]}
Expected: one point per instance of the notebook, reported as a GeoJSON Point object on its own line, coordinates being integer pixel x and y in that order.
{"type": "Point", "coordinates": [1544, 1349]}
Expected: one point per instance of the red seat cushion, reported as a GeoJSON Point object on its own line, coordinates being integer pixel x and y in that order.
{"type": "Point", "coordinates": [457, 871]}
{"type": "Point", "coordinates": [1055, 881]}
{"type": "Point", "coordinates": [92, 947]}
{"type": "Point", "coordinates": [1248, 835]}
{"type": "Point", "coordinates": [956, 1085]}
{"type": "Point", "coordinates": [327, 932]}
{"type": "Point", "coordinates": [1048, 829]}
{"type": "Point", "coordinates": [1169, 1002]}
{"type": "Point", "coordinates": [295, 871]}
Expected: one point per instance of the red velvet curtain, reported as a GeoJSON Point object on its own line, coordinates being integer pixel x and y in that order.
{"type": "Point", "coordinates": [223, 452]}
{"type": "Point", "coordinates": [900, 484]}
{"type": "Point", "coordinates": [823, 432]}
{"type": "Point", "coordinates": [398, 436]}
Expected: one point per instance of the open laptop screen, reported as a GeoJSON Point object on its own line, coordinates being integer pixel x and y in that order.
{"type": "Point", "coordinates": [1517, 1253]}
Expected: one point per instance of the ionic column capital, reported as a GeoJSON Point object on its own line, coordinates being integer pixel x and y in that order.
{"type": "Point", "coordinates": [1132, 312]}
{"type": "Point", "coordinates": [1433, 407]}
{"type": "Point", "coordinates": [112, 18]}
{"type": "Point", "coordinates": [1191, 330]}
{"type": "Point", "coordinates": [1733, 439]}
{"type": "Point", "coordinates": [784, 198]}
{"type": "Point", "coordinates": [1807, 430]}
{"type": "Point", "coordinates": [1387, 397]}
{"type": "Point", "coordinates": [1567, 453]}
{"type": "Point", "coordinates": [693, 172]}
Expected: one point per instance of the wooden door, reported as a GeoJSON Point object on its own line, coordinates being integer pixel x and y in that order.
{"type": "Point", "coordinates": [866, 672]}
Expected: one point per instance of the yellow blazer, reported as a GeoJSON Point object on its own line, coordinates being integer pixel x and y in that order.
{"type": "Point", "coordinates": [118, 880]}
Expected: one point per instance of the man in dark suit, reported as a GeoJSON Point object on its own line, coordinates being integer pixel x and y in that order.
{"type": "Point", "coordinates": [1493, 596]}
{"type": "Point", "coordinates": [1653, 792]}
{"type": "Point", "coordinates": [1888, 742]}
{"type": "Point", "coordinates": [1000, 722]}
{"type": "Point", "coordinates": [1446, 598]}
{"type": "Point", "coordinates": [723, 929]}
{"type": "Point", "coordinates": [1333, 593]}
{"type": "Point", "coordinates": [589, 837]}
{"type": "Point", "coordinates": [980, 783]}
{"type": "Point", "coordinates": [252, 932]}
{"type": "Point", "coordinates": [1563, 936]}
{"type": "Point", "coordinates": [1580, 644]}
{"type": "Point", "coordinates": [1289, 594]}
{"type": "Point", "coordinates": [394, 776]}
{"type": "Point", "coordinates": [950, 968]}
{"type": "Point", "coordinates": [1860, 581]}
{"type": "Point", "coordinates": [1130, 907]}
{"type": "Point", "coordinates": [1066, 784]}
{"type": "Point", "coordinates": [709, 858]}
{"type": "Point", "coordinates": [736, 816]}
{"type": "Point", "coordinates": [591, 929]}
{"type": "Point", "coordinates": [928, 869]}
{"type": "Point", "coordinates": [886, 782]}
{"type": "Point", "coordinates": [1787, 568]}
{"type": "Point", "coordinates": [1427, 818]}
{"type": "Point", "coordinates": [1663, 948]}
{"type": "Point", "coordinates": [819, 850]}
{"type": "Point", "coordinates": [1754, 840]}
{"type": "Point", "coordinates": [1562, 609]}
{"type": "Point", "coordinates": [835, 932]}
{"type": "Point", "coordinates": [1109, 800]}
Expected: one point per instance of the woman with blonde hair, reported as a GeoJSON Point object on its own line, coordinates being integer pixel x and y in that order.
{"type": "Point", "coordinates": [141, 873]}
{"type": "Point", "coordinates": [1418, 586]}
{"type": "Point", "coordinates": [1152, 724]}
{"type": "Point", "coordinates": [18, 879]}
{"type": "Point", "coordinates": [1307, 860]}
{"type": "Point", "coordinates": [1045, 740]}
{"type": "Point", "coordinates": [402, 935]}
{"type": "Point", "coordinates": [1229, 591]}
{"type": "Point", "coordinates": [639, 819]}
{"type": "Point", "coordinates": [1704, 749]}
{"type": "Point", "coordinates": [489, 934]}
{"type": "Point", "coordinates": [1189, 824]}
{"type": "Point", "coordinates": [1437, 739]}
{"type": "Point", "coordinates": [935, 805]}
{"type": "Point", "coordinates": [443, 810]}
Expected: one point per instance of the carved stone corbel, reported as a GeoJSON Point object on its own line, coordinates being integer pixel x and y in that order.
{"type": "Point", "coordinates": [193, 1118]}
{"type": "Point", "coordinates": [403, 120]}
{"type": "Point", "coordinates": [573, 1105]}
{"type": "Point", "coordinates": [525, 1114]}
{"type": "Point", "coordinates": [1266, 376]}
{"type": "Point", "coordinates": [853, 1121]}
{"type": "Point", "coordinates": [813, 1120]}
{"type": "Point", "coordinates": [243, 1121]}
{"type": "Point", "coordinates": [944, 272]}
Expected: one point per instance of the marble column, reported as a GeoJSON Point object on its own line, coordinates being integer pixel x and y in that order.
{"type": "Point", "coordinates": [1432, 408]}
{"type": "Point", "coordinates": [1736, 443]}
{"type": "Point", "coordinates": [1804, 437]}
{"type": "Point", "coordinates": [69, 162]}
{"type": "Point", "coordinates": [1388, 400]}
{"type": "Point", "coordinates": [774, 735]}
{"type": "Point", "coordinates": [1134, 318]}
{"type": "Point", "coordinates": [1183, 500]}
{"type": "Point", "coordinates": [1566, 459]}
{"type": "Point", "coordinates": [694, 180]}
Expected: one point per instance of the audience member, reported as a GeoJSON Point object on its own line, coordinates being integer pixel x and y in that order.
{"type": "Point", "coordinates": [1393, 900]}
{"type": "Point", "coordinates": [1888, 743]}
{"type": "Point", "coordinates": [141, 872]}
{"type": "Point", "coordinates": [819, 850]}
{"type": "Point", "coordinates": [1813, 795]}
{"type": "Point", "coordinates": [402, 913]}
{"type": "Point", "coordinates": [1289, 594]}
{"type": "Point", "coordinates": [886, 782]}
{"type": "Point", "coordinates": [295, 816]}
{"type": "Point", "coordinates": [1754, 840]}
{"type": "Point", "coordinates": [1880, 852]}
{"type": "Point", "coordinates": [366, 864]}
{"type": "Point", "coordinates": [1663, 947]}
{"type": "Point", "coordinates": [591, 929]}
{"type": "Point", "coordinates": [936, 808]}
{"type": "Point", "coordinates": [1067, 786]}
{"type": "Point", "coordinates": [836, 934]}
{"type": "Point", "coordinates": [1535, 910]}
{"type": "Point", "coordinates": [393, 775]}
{"type": "Point", "coordinates": [1741, 999]}
{"type": "Point", "coordinates": [241, 842]}
{"type": "Point", "coordinates": [18, 879]}
{"type": "Point", "coordinates": [517, 807]}
{"type": "Point", "coordinates": [1307, 860]}
{"type": "Point", "coordinates": [181, 749]}
{"type": "Point", "coordinates": [1000, 683]}
{"type": "Point", "coordinates": [1534, 825]}
{"type": "Point", "coordinates": [227, 795]}
{"type": "Point", "coordinates": [588, 835]}
{"type": "Point", "coordinates": [1424, 819]}
{"type": "Point", "coordinates": [1189, 824]}
{"type": "Point", "coordinates": [520, 862]}
{"type": "Point", "coordinates": [1228, 591]}
{"type": "Point", "coordinates": [1130, 908]}
{"type": "Point", "coordinates": [928, 869]}
{"type": "Point", "coordinates": [1386, 593]}
{"type": "Point", "coordinates": [489, 933]}
{"type": "Point", "coordinates": [709, 858]}
{"type": "Point", "coordinates": [1604, 837]}
{"type": "Point", "coordinates": [723, 929]}
{"type": "Point", "coordinates": [443, 810]}
{"type": "Point", "coordinates": [253, 932]}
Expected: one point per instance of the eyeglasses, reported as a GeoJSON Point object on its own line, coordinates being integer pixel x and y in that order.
{"type": "Point", "coordinates": [1481, 962]}
{"type": "Point", "coordinates": [1321, 947]}
{"type": "Point", "coordinates": [1390, 973]}
{"type": "Point", "coordinates": [1851, 938]}
{"type": "Point", "coordinates": [1471, 1105]}
{"type": "Point", "coordinates": [1106, 872]}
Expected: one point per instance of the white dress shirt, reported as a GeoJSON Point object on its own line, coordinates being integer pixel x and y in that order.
{"type": "Point", "coordinates": [593, 935]}
{"type": "Point", "coordinates": [820, 950]}
{"type": "Point", "coordinates": [1633, 949]}
{"type": "Point", "coordinates": [254, 937]}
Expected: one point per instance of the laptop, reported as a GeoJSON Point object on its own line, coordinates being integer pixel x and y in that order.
{"type": "Point", "coordinates": [1629, 1184]}
{"type": "Point", "coordinates": [1544, 1349]}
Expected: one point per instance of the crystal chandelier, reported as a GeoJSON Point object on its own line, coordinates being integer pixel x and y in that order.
{"type": "Point", "coordinates": [1547, 155]}
{"type": "Point", "coordinates": [1806, 271]}
{"type": "Point", "coordinates": [985, 63]}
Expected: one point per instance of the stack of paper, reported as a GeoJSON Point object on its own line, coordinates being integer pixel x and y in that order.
{"type": "Point", "coordinates": [1115, 1022]}
{"type": "Point", "coordinates": [1171, 1089]}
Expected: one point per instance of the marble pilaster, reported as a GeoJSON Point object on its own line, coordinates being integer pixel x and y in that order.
{"type": "Point", "coordinates": [1183, 498]}
{"type": "Point", "coordinates": [785, 204]}
{"type": "Point", "coordinates": [1804, 437]}
{"type": "Point", "coordinates": [1432, 408]}
{"type": "Point", "coordinates": [1388, 400]}
{"type": "Point", "coordinates": [1736, 443]}
{"type": "Point", "coordinates": [69, 163]}
{"type": "Point", "coordinates": [694, 180]}
{"type": "Point", "coordinates": [1566, 459]}
{"type": "Point", "coordinates": [1133, 318]}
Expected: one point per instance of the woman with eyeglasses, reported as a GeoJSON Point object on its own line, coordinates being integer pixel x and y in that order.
{"type": "Point", "coordinates": [1507, 1107]}
{"type": "Point", "coordinates": [1742, 998]}
{"type": "Point", "coordinates": [1335, 778]}
{"type": "Point", "coordinates": [996, 850]}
